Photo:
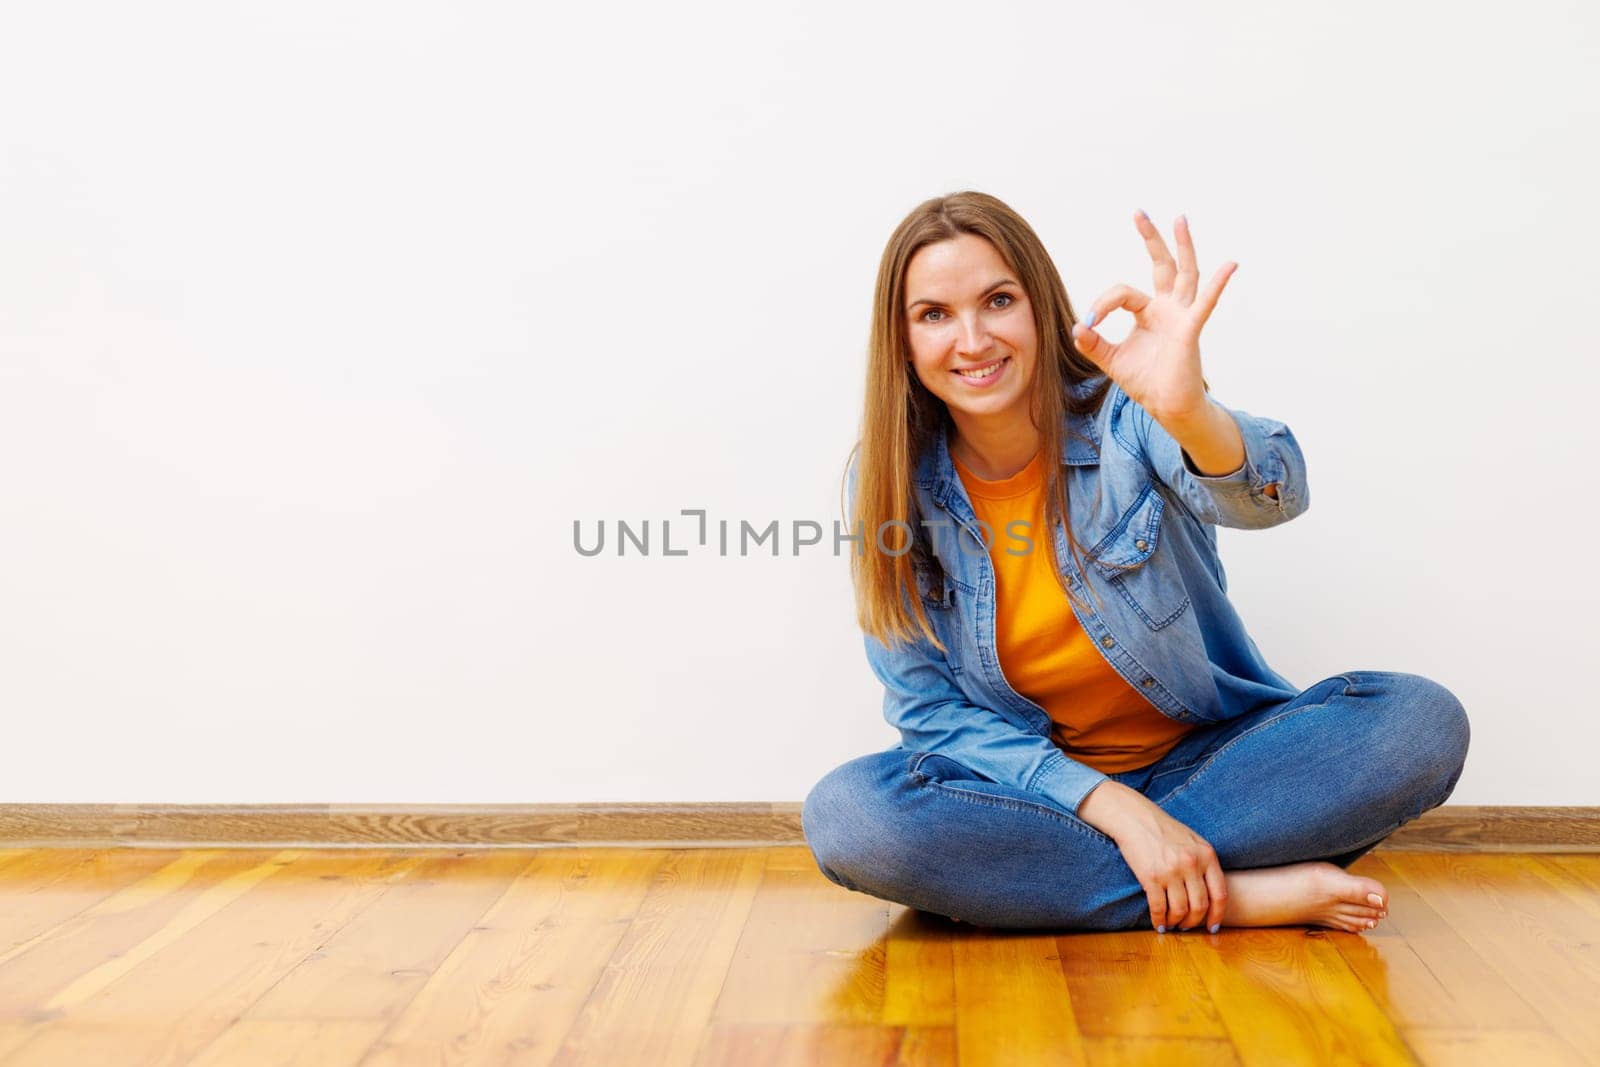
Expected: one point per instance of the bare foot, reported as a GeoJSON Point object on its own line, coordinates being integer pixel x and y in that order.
{"type": "Point", "coordinates": [1315, 893]}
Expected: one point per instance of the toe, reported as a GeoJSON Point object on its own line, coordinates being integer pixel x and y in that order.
{"type": "Point", "coordinates": [1357, 913]}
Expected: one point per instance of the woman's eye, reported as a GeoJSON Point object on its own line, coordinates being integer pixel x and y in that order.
{"type": "Point", "coordinates": [1007, 297]}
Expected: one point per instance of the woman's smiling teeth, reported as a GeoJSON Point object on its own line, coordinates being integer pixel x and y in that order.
{"type": "Point", "coordinates": [991, 369]}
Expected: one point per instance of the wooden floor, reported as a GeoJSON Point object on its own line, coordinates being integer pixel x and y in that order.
{"type": "Point", "coordinates": [749, 956]}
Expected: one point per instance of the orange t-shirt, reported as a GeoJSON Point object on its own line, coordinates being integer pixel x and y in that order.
{"type": "Point", "coordinates": [1100, 719]}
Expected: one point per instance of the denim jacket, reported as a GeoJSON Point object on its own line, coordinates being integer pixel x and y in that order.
{"type": "Point", "coordinates": [1163, 622]}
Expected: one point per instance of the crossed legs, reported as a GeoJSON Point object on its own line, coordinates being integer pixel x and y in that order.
{"type": "Point", "coordinates": [1324, 777]}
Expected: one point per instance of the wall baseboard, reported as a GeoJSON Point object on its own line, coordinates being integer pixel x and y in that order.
{"type": "Point", "coordinates": [1449, 828]}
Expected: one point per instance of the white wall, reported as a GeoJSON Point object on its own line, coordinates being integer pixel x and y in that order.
{"type": "Point", "coordinates": [320, 323]}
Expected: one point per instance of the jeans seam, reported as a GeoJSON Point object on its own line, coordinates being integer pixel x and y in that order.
{"type": "Point", "coordinates": [1174, 770]}
{"type": "Point", "coordinates": [1254, 729]}
{"type": "Point", "coordinates": [1009, 804]}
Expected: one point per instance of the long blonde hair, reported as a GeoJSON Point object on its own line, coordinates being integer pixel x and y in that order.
{"type": "Point", "coordinates": [901, 417]}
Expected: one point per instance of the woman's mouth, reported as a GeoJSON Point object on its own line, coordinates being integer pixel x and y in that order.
{"type": "Point", "coordinates": [979, 377]}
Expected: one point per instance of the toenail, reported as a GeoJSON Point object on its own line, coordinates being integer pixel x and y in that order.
{"type": "Point", "coordinates": [1371, 923]}
{"type": "Point", "coordinates": [1377, 901]}
{"type": "Point", "coordinates": [1161, 929]}
{"type": "Point", "coordinates": [1215, 927]}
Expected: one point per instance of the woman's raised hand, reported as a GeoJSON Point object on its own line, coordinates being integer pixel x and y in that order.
{"type": "Point", "coordinates": [1158, 363]}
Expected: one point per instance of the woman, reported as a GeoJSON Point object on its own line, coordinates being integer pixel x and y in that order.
{"type": "Point", "coordinates": [1089, 737]}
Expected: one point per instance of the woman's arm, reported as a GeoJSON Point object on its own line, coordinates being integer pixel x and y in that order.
{"type": "Point", "coordinates": [922, 701]}
{"type": "Point", "coordinates": [1229, 468]}
{"type": "Point", "coordinates": [1211, 442]}
{"type": "Point", "coordinates": [1266, 487]}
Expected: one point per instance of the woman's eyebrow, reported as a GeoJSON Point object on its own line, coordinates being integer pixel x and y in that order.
{"type": "Point", "coordinates": [986, 292]}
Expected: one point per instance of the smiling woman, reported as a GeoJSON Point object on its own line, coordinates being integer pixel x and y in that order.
{"type": "Point", "coordinates": [1091, 746]}
{"type": "Point", "coordinates": [978, 360]}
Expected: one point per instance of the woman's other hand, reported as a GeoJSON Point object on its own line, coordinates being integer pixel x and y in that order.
{"type": "Point", "coordinates": [1158, 363]}
{"type": "Point", "coordinates": [1177, 867]}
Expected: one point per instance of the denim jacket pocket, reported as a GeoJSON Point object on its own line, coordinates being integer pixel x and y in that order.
{"type": "Point", "coordinates": [937, 590]}
{"type": "Point", "coordinates": [1129, 559]}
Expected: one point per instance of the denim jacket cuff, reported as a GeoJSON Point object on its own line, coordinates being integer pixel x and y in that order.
{"type": "Point", "coordinates": [1066, 781]}
{"type": "Point", "coordinates": [1261, 466]}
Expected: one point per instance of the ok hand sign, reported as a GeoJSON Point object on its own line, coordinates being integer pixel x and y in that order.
{"type": "Point", "coordinates": [1158, 364]}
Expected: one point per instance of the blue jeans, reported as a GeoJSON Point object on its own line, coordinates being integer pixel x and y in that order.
{"type": "Point", "coordinates": [1326, 775]}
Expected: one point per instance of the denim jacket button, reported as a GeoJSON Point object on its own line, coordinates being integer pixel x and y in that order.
{"type": "Point", "coordinates": [1140, 545]}
{"type": "Point", "coordinates": [1148, 682]}
{"type": "Point", "coordinates": [1107, 641]}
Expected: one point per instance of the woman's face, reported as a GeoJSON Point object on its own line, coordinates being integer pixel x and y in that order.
{"type": "Point", "coordinates": [966, 310]}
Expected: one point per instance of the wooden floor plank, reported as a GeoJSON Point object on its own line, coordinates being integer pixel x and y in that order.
{"type": "Point", "coordinates": [291, 1043]}
{"type": "Point", "coordinates": [1286, 996]}
{"type": "Point", "coordinates": [790, 858]}
{"type": "Point", "coordinates": [511, 990]}
{"type": "Point", "coordinates": [807, 954]}
{"type": "Point", "coordinates": [919, 981]}
{"type": "Point", "coordinates": [653, 1000]}
{"type": "Point", "coordinates": [1581, 865]}
{"type": "Point", "coordinates": [1576, 877]}
{"type": "Point", "coordinates": [1543, 945]}
{"type": "Point", "coordinates": [1012, 1001]}
{"type": "Point", "coordinates": [1160, 1051]}
{"type": "Point", "coordinates": [371, 967]}
{"type": "Point", "coordinates": [1492, 1048]}
{"type": "Point", "coordinates": [9, 856]}
{"type": "Point", "coordinates": [1134, 985]}
{"type": "Point", "coordinates": [1420, 970]}
{"type": "Point", "coordinates": [619, 955]}
{"type": "Point", "coordinates": [45, 887]}
{"type": "Point", "coordinates": [63, 966]}
{"type": "Point", "coordinates": [798, 1045]}
{"type": "Point", "coordinates": [927, 1046]}
{"type": "Point", "coordinates": [147, 1008]}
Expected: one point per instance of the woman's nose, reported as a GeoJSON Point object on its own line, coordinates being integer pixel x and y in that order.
{"type": "Point", "coordinates": [972, 338]}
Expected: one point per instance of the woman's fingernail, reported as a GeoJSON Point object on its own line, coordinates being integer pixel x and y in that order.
{"type": "Point", "coordinates": [1215, 927]}
{"type": "Point", "coordinates": [1143, 215]}
{"type": "Point", "coordinates": [1090, 320]}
